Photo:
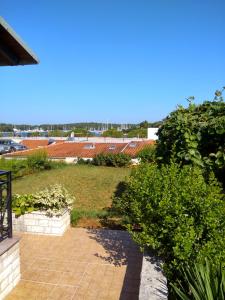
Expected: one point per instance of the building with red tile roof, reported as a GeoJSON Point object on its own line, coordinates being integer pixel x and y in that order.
{"type": "Point", "coordinates": [86, 150]}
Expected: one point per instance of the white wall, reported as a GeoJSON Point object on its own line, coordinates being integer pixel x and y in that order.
{"type": "Point", "coordinates": [151, 135]}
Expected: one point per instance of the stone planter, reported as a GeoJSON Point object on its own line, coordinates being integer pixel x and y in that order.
{"type": "Point", "coordinates": [38, 223]}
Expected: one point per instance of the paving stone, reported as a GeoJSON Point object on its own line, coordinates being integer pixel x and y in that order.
{"type": "Point", "coordinates": [82, 264]}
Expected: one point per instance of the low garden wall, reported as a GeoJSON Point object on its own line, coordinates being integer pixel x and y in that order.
{"type": "Point", "coordinates": [38, 223]}
{"type": "Point", "coordinates": [153, 282]}
{"type": "Point", "coordinates": [9, 266]}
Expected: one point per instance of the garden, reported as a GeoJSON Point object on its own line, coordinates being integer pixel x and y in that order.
{"type": "Point", "coordinates": [173, 203]}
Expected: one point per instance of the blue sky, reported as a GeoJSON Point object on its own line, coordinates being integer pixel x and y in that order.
{"type": "Point", "coordinates": [112, 60]}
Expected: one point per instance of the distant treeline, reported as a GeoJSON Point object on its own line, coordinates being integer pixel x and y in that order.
{"type": "Point", "coordinates": [83, 125]}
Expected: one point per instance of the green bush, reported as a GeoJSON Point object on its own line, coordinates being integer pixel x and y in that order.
{"type": "Point", "coordinates": [53, 200]}
{"type": "Point", "coordinates": [39, 161]}
{"type": "Point", "coordinates": [147, 154]}
{"type": "Point", "coordinates": [112, 160]}
{"type": "Point", "coordinates": [177, 213]}
{"type": "Point", "coordinates": [17, 167]}
{"type": "Point", "coordinates": [34, 163]}
{"type": "Point", "coordinates": [22, 204]}
{"type": "Point", "coordinates": [201, 282]}
{"type": "Point", "coordinates": [82, 161]}
{"type": "Point", "coordinates": [195, 135]}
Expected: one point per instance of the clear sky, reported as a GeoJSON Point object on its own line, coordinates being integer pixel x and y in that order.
{"type": "Point", "coordinates": [112, 60]}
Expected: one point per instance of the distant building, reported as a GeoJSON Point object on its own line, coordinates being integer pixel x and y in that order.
{"type": "Point", "coordinates": [152, 134]}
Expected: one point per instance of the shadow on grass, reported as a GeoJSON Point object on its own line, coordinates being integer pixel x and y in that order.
{"type": "Point", "coordinates": [121, 251]}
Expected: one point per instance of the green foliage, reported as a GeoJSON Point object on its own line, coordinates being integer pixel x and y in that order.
{"type": "Point", "coordinates": [22, 167]}
{"type": "Point", "coordinates": [57, 133]}
{"type": "Point", "coordinates": [147, 154]}
{"type": "Point", "coordinates": [77, 214]}
{"type": "Point", "coordinates": [195, 135]}
{"type": "Point", "coordinates": [137, 132]}
{"type": "Point", "coordinates": [79, 132]}
{"type": "Point", "coordinates": [112, 160]}
{"type": "Point", "coordinates": [202, 282]}
{"type": "Point", "coordinates": [177, 213]}
{"type": "Point", "coordinates": [17, 167]}
{"type": "Point", "coordinates": [53, 200]}
{"type": "Point", "coordinates": [144, 124]}
{"type": "Point", "coordinates": [113, 133]}
{"type": "Point", "coordinates": [39, 161]}
{"type": "Point", "coordinates": [22, 204]}
{"type": "Point", "coordinates": [82, 161]}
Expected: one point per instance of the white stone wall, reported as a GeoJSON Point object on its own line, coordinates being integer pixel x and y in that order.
{"type": "Point", "coordinates": [9, 270]}
{"type": "Point", "coordinates": [153, 283]}
{"type": "Point", "coordinates": [37, 222]}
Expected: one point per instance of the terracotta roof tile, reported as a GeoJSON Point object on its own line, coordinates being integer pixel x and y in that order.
{"type": "Point", "coordinates": [134, 147]}
{"type": "Point", "coordinates": [34, 143]}
{"type": "Point", "coordinates": [86, 150]}
{"type": "Point", "coordinates": [31, 144]}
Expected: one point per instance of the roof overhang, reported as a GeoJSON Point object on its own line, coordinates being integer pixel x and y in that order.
{"type": "Point", "coordinates": [13, 51]}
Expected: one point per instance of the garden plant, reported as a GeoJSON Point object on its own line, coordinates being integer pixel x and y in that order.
{"type": "Point", "coordinates": [174, 203]}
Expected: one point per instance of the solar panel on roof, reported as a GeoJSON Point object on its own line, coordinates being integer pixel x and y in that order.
{"type": "Point", "coordinates": [112, 147]}
{"type": "Point", "coordinates": [133, 145]}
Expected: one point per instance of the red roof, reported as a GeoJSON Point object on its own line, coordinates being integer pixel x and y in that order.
{"type": "Point", "coordinates": [134, 147]}
{"type": "Point", "coordinates": [86, 150]}
{"type": "Point", "coordinates": [31, 144]}
{"type": "Point", "coordinates": [34, 143]}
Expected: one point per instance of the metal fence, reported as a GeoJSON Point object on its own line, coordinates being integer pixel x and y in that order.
{"type": "Point", "coordinates": [5, 205]}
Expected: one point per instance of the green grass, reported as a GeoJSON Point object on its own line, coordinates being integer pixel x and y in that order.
{"type": "Point", "coordinates": [92, 186]}
{"type": "Point", "coordinates": [76, 215]}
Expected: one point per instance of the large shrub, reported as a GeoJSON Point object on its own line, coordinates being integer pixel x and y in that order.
{"type": "Point", "coordinates": [195, 135]}
{"type": "Point", "coordinates": [112, 160]}
{"type": "Point", "coordinates": [177, 213]}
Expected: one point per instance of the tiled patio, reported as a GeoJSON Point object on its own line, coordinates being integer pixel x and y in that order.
{"type": "Point", "coordinates": [83, 264]}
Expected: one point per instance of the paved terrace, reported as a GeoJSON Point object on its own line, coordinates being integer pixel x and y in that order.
{"type": "Point", "coordinates": [82, 264]}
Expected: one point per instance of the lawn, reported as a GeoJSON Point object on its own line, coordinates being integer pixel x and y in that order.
{"type": "Point", "coordinates": [92, 186]}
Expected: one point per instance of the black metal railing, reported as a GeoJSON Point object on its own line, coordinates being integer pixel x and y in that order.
{"type": "Point", "coordinates": [5, 205]}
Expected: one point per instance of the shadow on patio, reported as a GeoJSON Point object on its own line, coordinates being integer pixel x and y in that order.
{"type": "Point", "coordinates": [82, 264]}
{"type": "Point", "coordinates": [120, 250]}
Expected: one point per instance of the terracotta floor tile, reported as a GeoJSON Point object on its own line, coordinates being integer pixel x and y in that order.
{"type": "Point", "coordinates": [83, 264]}
{"type": "Point", "coordinates": [70, 278]}
{"type": "Point", "coordinates": [62, 292]}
